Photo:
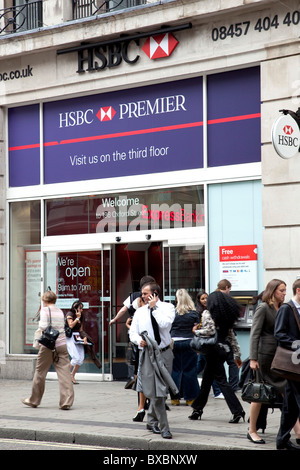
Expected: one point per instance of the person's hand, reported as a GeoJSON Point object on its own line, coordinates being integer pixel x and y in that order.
{"type": "Point", "coordinates": [128, 322]}
{"type": "Point", "coordinates": [143, 343]}
{"type": "Point", "coordinates": [254, 364]}
{"type": "Point", "coordinates": [238, 362]}
{"type": "Point", "coordinates": [78, 314]}
{"type": "Point", "coordinates": [195, 327]}
{"type": "Point", "coordinates": [152, 300]}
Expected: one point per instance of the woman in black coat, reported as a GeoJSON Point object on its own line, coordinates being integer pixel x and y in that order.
{"type": "Point", "coordinates": [223, 312]}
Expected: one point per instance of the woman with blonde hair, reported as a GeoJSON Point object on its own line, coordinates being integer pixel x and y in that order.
{"type": "Point", "coordinates": [46, 357]}
{"type": "Point", "coordinates": [184, 371]}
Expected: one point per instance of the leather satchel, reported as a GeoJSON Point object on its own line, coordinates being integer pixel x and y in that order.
{"type": "Point", "coordinates": [259, 391]}
{"type": "Point", "coordinates": [204, 344]}
{"type": "Point", "coordinates": [286, 363]}
{"type": "Point", "coordinates": [49, 336]}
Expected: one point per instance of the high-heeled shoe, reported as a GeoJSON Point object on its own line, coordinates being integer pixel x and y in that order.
{"type": "Point", "coordinates": [256, 441]}
{"type": "Point", "coordinates": [237, 416]}
{"type": "Point", "coordinates": [139, 416]}
{"type": "Point", "coordinates": [196, 415]}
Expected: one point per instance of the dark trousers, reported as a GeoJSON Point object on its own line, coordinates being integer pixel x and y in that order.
{"type": "Point", "coordinates": [214, 369]}
{"type": "Point", "coordinates": [184, 372]}
{"type": "Point", "coordinates": [290, 411]}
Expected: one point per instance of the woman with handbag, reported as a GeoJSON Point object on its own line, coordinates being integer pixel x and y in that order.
{"type": "Point", "coordinates": [263, 346]}
{"type": "Point", "coordinates": [223, 311]}
{"type": "Point", "coordinates": [76, 343]}
{"type": "Point", "coordinates": [46, 357]}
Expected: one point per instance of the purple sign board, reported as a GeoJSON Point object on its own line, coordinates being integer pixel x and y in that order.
{"type": "Point", "coordinates": [151, 129]}
{"type": "Point", "coordinates": [233, 131]}
{"type": "Point", "coordinates": [132, 132]}
{"type": "Point", "coordinates": [24, 146]}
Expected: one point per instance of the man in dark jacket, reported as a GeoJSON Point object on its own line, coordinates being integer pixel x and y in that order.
{"type": "Point", "coordinates": [287, 334]}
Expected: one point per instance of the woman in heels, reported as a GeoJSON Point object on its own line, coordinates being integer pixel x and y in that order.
{"type": "Point", "coordinates": [263, 346]}
{"type": "Point", "coordinates": [221, 314]}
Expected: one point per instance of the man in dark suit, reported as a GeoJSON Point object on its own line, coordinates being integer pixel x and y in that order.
{"type": "Point", "coordinates": [287, 334]}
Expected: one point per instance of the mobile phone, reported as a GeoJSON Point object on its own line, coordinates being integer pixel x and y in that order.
{"type": "Point", "coordinates": [155, 294]}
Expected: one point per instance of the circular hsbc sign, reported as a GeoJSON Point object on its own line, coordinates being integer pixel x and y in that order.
{"type": "Point", "coordinates": [286, 136]}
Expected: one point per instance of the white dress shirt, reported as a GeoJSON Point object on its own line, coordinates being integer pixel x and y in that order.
{"type": "Point", "coordinates": [164, 313]}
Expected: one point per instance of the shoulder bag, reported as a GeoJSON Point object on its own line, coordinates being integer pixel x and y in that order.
{"type": "Point", "coordinates": [259, 391]}
{"type": "Point", "coordinates": [204, 344]}
{"type": "Point", "coordinates": [286, 363]}
{"type": "Point", "coordinates": [49, 335]}
{"type": "Point", "coordinates": [68, 330]}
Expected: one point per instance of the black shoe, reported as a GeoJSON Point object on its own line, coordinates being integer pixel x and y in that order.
{"type": "Point", "coordinates": [196, 415]}
{"type": "Point", "coordinates": [154, 428]}
{"type": "Point", "coordinates": [257, 441]}
{"type": "Point", "coordinates": [237, 416]}
{"type": "Point", "coordinates": [287, 446]}
{"type": "Point", "coordinates": [166, 435]}
{"type": "Point", "coordinates": [139, 416]}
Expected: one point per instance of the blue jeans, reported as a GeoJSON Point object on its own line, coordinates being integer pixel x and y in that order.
{"type": "Point", "coordinates": [184, 372]}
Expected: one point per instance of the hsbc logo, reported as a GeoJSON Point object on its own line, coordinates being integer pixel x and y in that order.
{"type": "Point", "coordinates": [160, 46]}
{"type": "Point", "coordinates": [106, 114]}
{"type": "Point", "coordinates": [286, 135]}
{"type": "Point", "coordinates": [99, 58]}
{"type": "Point", "coordinates": [288, 130]}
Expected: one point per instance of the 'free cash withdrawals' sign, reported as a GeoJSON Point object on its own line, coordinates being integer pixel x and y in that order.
{"type": "Point", "coordinates": [238, 264]}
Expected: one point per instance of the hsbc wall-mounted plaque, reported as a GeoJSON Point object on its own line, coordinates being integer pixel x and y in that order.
{"type": "Point", "coordinates": [286, 134]}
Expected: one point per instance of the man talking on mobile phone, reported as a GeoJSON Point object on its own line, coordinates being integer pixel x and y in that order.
{"type": "Point", "coordinates": [154, 319]}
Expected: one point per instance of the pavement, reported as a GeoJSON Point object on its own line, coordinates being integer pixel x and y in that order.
{"type": "Point", "coordinates": [102, 416]}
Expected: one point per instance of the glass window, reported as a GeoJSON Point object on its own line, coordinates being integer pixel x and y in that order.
{"type": "Point", "coordinates": [146, 210]}
{"type": "Point", "coordinates": [25, 274]}
{"type": "Point", "coordinates": [184, 267]}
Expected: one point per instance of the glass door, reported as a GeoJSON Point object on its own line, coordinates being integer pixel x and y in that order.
{"type": "Point", "coordinates": [131, 261]}
{"type": "Point", "coordinates": [85, 276]}
{"type": "Point", "coordinates": [184, 268]}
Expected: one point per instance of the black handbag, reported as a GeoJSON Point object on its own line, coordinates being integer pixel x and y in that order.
{"type": "Point", "coordinates": [259, 391]}
{"type": "Point", "coordinates": [49, 335]}
{"type": "Point", "coordinates": [204, 344]}
{"type": "Point", "coordinates": [68, 330]}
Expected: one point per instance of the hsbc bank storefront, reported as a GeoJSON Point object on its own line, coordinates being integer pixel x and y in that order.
{"type": "Point", "coordinates": [111, 181]}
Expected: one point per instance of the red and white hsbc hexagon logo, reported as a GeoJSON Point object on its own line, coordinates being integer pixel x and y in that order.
{"type": "Point", "coordinates": [106, 113]}
{"type": "Point", "coordinates": [161, 45]}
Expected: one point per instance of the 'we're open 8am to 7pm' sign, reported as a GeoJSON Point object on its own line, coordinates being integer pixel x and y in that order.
{"type": "Point", "coordinates": [238, 264]}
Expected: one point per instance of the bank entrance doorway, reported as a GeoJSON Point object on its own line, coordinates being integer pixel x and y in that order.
{"type": "Point", "coordinates": [103, 278]}
{"type": "Point", "coordinates": [173, 267]}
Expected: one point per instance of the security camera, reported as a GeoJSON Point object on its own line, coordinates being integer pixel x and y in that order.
{"type": "Point", "coordinates": [118, 239]}
{"type": "Point", "coordinates": [148, 237]}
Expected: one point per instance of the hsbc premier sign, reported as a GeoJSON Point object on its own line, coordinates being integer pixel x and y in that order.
{"type": "Point", "coordinates": [129, 110]}
{"type": "Point", "coordinates": [286, 134]}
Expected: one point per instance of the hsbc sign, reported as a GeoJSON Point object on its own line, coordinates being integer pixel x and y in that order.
{"type": "Point", "coordinates": [286, 134]}
{"type": "Point", "coordinates": [112, 53]}
{"type": "Point", "coordinates": [132, 109]}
